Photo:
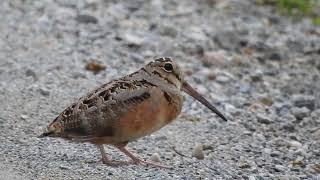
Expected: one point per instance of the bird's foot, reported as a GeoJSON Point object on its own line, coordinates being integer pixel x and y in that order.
{"type": "Point", "coordinates": [137, 160]}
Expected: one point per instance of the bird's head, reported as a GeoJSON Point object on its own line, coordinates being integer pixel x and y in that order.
{"type": "Point", "coordinates": [169, 71]}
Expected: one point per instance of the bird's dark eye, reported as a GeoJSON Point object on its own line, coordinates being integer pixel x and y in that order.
{"type": "Point", "coordinates": [168, 67]}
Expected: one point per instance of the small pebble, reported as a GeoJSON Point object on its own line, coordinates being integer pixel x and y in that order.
{"type": "Point", "coordinates": [168, 30]}
{"type": "Point", "coordinates": [256, 76]}
{"type": "Point", "coordinates": [193, 49]}
{"type": "Point", "coordinates": [85, 18]}
{"type": "Point", "coordinates": [133, 40]}
{"type": "Point", "coordinates": [316, 133]}
{"type": "Point", "coordinates": [222, 79]}
{"type": "Point", "coordinates": [44, 22]}
{"type": "Point", "coordinates": [300, 100]}
{"type": "Point", "coordinates": [282, 109]}
{"type": "Point", "coordinates": [275, 154]}
{"type": "Point", "coordinates": [229, 40]}
{"type": "Point", "coordinates": [213, 58]}
{"type": "Point", "coordinates": [300, 113]}
{"type": "Point", "coordinates": [267, 150]}
{"type": "Point", "coordinates": [266, 101]}
{"type": "Point", "coordinates": [155, 157]}
{"type": "Point", "coordinates": [24, 116]}
{"type": "Point", "coordinates": [244, 165]}
{"type": "Point", "coordinates": [288, 127]}
{"type": "Point", "coordinates": [78, 75]}
{"type": "Point", "coordinates": [244, 88]}
{"type": "Point", "coordinates": [207, 147]}
{"type": "Point", "coordinates": [44, 91]}
{"type": "Point", "coordinates": [194, 34]}
{"type": "Point", "coordinates": [279, 168]}
{"type": "Point", "coordinates": [297, 162]}
{"type": "Point", "coordinates": [248, 51]}
{"type": "Point", "coordinates": [64, 167]}
{"type": "Point", "coordinates": [94, 66]}
{"type": "Point", "coordinates": [263, 119]}
{"type": "Point", "coordinates": [198, 151]}
{"type": "Point", "coordinates": [295, 144]}
{"type": "Point", "coordinates": [211, 76]}
{"type": "Point", "coordinates": [31, 73]}
{"type": "Point", "coordinates": [276, 55]}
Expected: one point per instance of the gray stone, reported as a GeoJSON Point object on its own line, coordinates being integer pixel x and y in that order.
{"type": "Point", "coordinates": [168, 30]}
{"type": "Point", "coordinates": [31, 73]}
{"type": "Point", "coordinates": [86, 18]}
{"type": "Point", "coordinates": [198, 152]}
{"type": "Point", "coordinates": [279, 168]}
{"type": "Point", "coordinates": [229, 40]}
{"type": "Point", "coordinates": [244, 165]}
{"type": "Point", "coordinates": [192, 48]}
{"type": "Point", "coordinates": [256, 76]}
{"type": "Point", "coordinates": [44, 91]}
{"type": "Point", "coordinates": [133, 39]}
{"type": "Point", "coordinates": [245, 88]}
{"type": "Point", "coordinates": [296, 46]}
{"type": "Point", "coordinates": [24, 116]}
{"type": "Point", "coordinates": [44, 23]}
{"type": "Point", "coordinates": [222, 79]}
{"type": "Point", "coordinates": [276, 55]}
{"type": "Point", "coordinates": [300, 100]}
{"type": "Point", "coordinates": [288, 127]}
{"type": "Point", "coordinates": [316, 134]}
{"type": "Point", "coordinates": [214, 58]}
{"type": "Point", "coordinates": [195, 34]}
{"type": "Point", "coordinates": [300, 113]}
{"type": "Point", "coordinates": [260, 46]}
{"type": "Point", "coordinates": [282, 109]}
{"type": "Point", "coordinates": [155, 157]}
{"type": "Point", "coordinates": [263, 119]}
{"type": "Point", "coordinates": [295, 144]}
{"type": "Point", "coordinates": [275, 154]}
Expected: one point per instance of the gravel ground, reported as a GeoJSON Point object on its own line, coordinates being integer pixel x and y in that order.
{"type": "Point", "coordinates": [260, 69]}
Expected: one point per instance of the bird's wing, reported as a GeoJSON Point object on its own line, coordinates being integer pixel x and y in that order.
{"type": "Point", "coordinates": [93, 115]}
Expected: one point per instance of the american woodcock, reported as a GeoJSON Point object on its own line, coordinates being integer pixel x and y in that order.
{"type": "Point", "coordinates": [126, 109]}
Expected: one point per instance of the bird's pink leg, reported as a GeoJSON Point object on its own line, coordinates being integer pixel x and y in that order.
{"type": "Point", "coordinates": [107, 161]}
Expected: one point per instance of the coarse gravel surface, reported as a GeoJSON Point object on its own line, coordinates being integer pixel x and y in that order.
{"type": "Point", "coordinates": [260, 69]}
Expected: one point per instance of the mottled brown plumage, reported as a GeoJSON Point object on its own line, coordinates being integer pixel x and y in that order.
{"type": "Point", "coordinates": [126, 109]}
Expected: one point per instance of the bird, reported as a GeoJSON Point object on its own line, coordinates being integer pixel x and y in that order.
{"type": "Point", "coordinates": [126, 109]}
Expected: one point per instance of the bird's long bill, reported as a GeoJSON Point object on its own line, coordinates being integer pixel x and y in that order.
{"type": "Point", "coordinates": [192, 92]}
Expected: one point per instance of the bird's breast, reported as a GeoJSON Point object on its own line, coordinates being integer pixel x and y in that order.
{"type": "Point", "coordinates": [148, 116]}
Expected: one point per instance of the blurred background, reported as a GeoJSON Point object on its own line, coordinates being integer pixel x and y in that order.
{"type": "Point", "coordinates": [258, 61]}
